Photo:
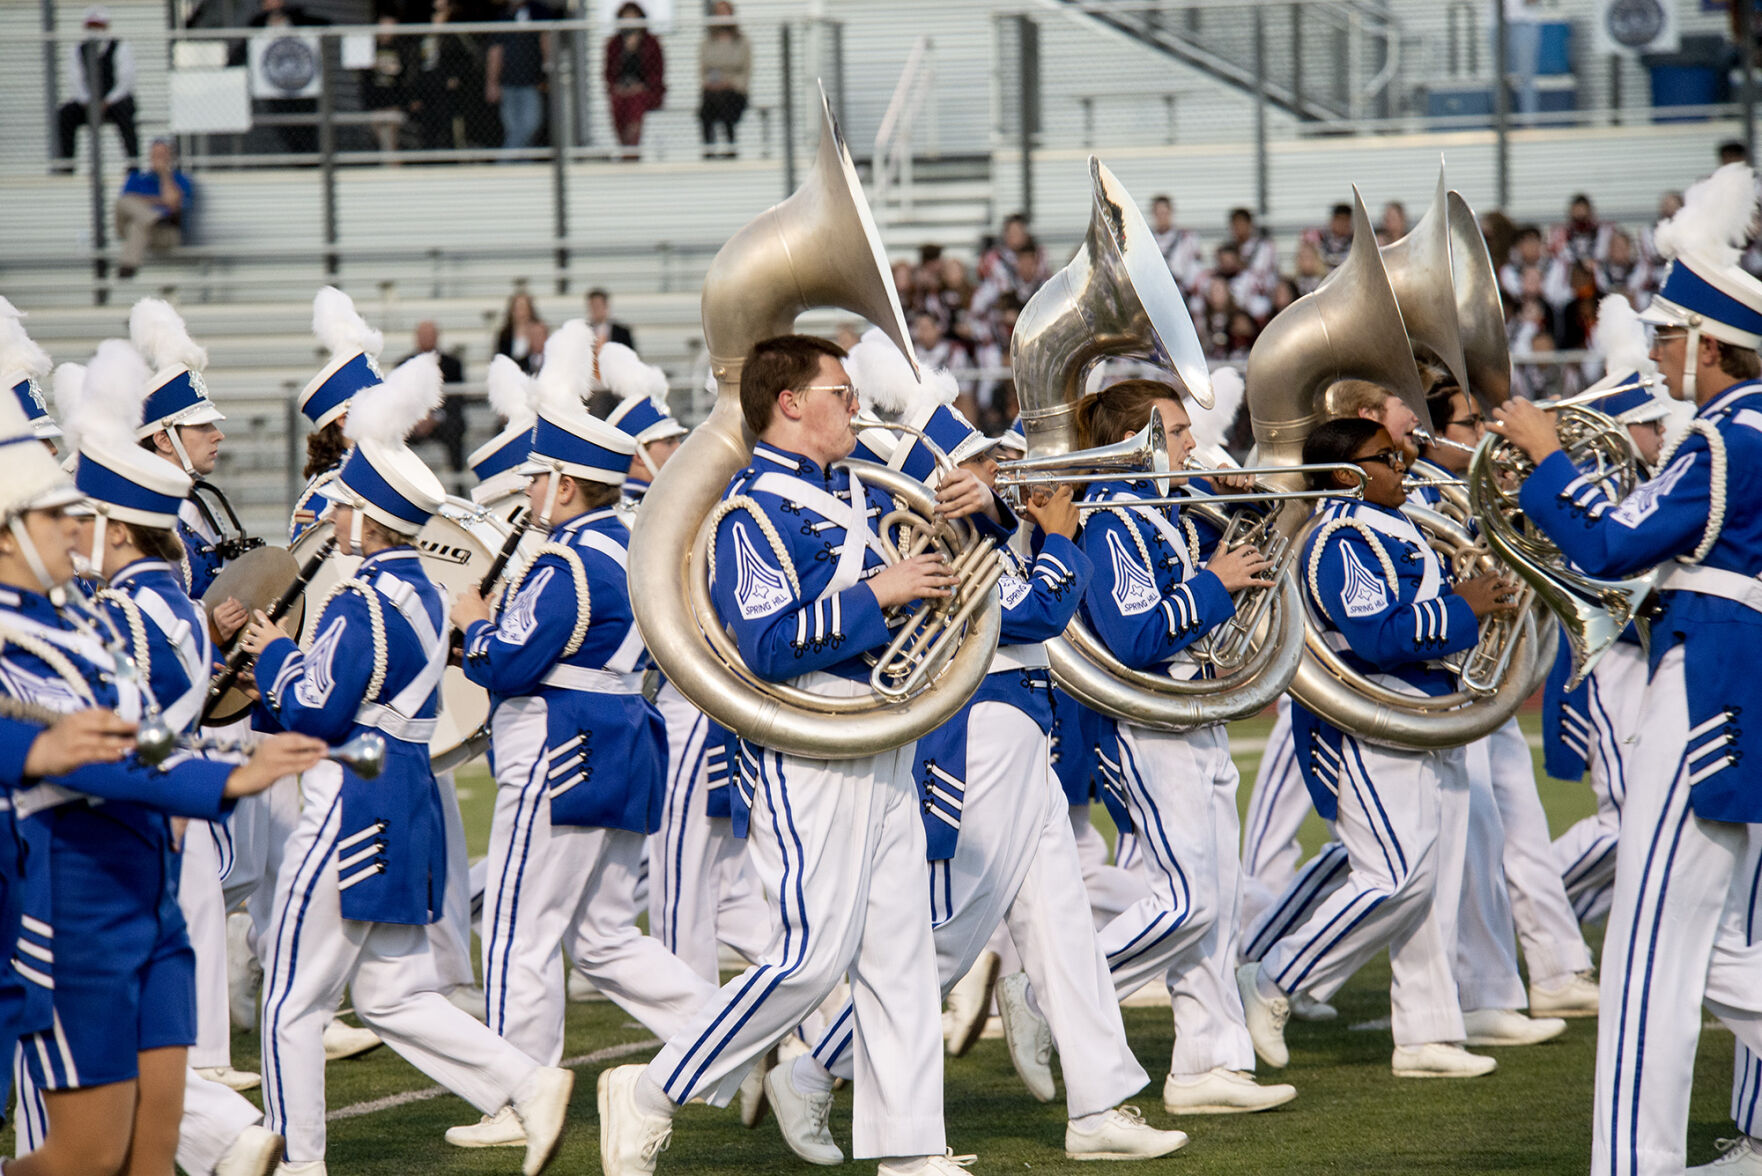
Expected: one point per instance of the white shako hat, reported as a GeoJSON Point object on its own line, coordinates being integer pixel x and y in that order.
{"type": "Point", "coordinates": [354, 358]}
{"type": "Point", "coordinates": [641, 389]}
{"type": "Point", "coordinates": [514, 396]}
{"type": "Point", "coordinates": [566, 438]}
{"type": "Point", "coordinates": [24, 367]}
{"type": "Point", "coordinates": [101, 406]}
{"type": "Point", "coordinates": [887, 385]}
{"type": "Point", "coordinates": [177, 393]}
{"type": "Point", "coordinates": [382, 476]}
{"type": "Point", "coordinates": [1629, 376]}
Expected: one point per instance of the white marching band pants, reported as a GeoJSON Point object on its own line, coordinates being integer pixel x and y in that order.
{"type": "Point", "coordinates": [839, 847]}
{"type": "Point", "coordinates": [1685, 893]}
{"type": "Point", "coordinates": [570, 887]}
{"type": "Point", "coordinates": [1392, 879]}
{"type": "Point", "coordinates": [696, 898]}
{"type": "Point", "coordinates": [1015, 865]}
{"type": "Point", "coordinates": [206, 859]}
{"type": "Point", "coordinates": [1111, 888]}
{"type": "Point", "coordinates": [449, 937]}
{"type": "Point", "coordinates": [1278, 804]}
{"type": "Point", "coordinates": [1181, 792]}
{"type": "Point", "coordinates": [1584, 855]}
{"type": "Point", "coordinates": [389, 969]}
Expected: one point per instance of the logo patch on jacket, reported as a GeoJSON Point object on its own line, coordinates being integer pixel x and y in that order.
{"type": "Point", "coordinates": [316, 683]}
{"type": "Point", "coordinates": [759, 588]}
{"type": "Point", "coordinates": [1637, 507]}
{"type": "Point", "coordinates": [1012, 590]}
{"type": "Point", "coordinates": [1134, 588]}
{"type": "Point", "coordinates": [517, 624]}
{"type": "Point", "coordinates": [1364, 593]}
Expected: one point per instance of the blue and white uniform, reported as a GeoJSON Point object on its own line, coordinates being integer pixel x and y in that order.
{"type": "Point", "coordinates": [839, 844]}
{"type": "Point", "coordinates": [1381, 599]}
{"type": "Point", "coordinates": [1688, 827]}
{"type": "Point", "coordinates": [581, 762]}
{"type": "Point", "coordinates": [1149, 601]}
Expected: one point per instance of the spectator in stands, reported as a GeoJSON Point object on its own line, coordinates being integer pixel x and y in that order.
{"type": "Point", "coordinates": [386, 92]}
{"type": "Point", "coordinates": [725, 66]}
{"type": "Point", "coordinates": [447, 424]}
{"type": "Point", "coordinates": [1025, 274]}
{"type": "Point", "coordinates": [1242, 332]}
{"type": "Point", "coordinates": [905, 281]}
{"type": "Point", "coordinates": [1624, 271]}
{"type": "Point", "coordinates": [514, 337]}
{"type": "Point", "coordinates": [152, 208]}
{"type": "Point", "coordinates": [103, 66]}
{"type": "Point", "coordinates": [936, 349]}
{"type": "Point", "coordinates": [1579, 313]}
{"type": "Point", "coordinates": [1538, 381]}
{"type": "Point", "coordinates": [1334, 240]}
{"type": "Point", "coordinates": [599, 317]}
{"type": "Point", "coordinates": [1393, 224]}
{"type": "Point", "coordinates": [514, 73]}
{"type": "Point", "coordinates": [1583, 237]}
{"type": "Point", "coordinates": [1244, 287]}
{"type": "Point", "coordinates": [1180, 247]}
{"type": "Point", "coordinates": [1001, 253]}
{"type": "Point", "coordinates": [1669, 205]}
{"type": "Point", "coordinates": [449, 102]}
{"type": "Point", "coordinates": [1499, 233]}
{"type": "Point", "coordinates": [1526, 253]}
{"type": "Point", "coordinates": [1733, 151]}
{"type": "Point", "coordinates": [538, 333]}
{"type": "Point", "coordinates": [1260, 257]}
{"type": "Point", "coordinates": [1212, 314]}
{"type": "Point", "coordinates": [994, 398]}
{"type": "Point", "coordinates": [1311, 269]}
{"type": "Point", "coordinates": [636, 76]}
{"type": "Point", "coordinates": [299, 138]}
{"type": "Point", "coordinates": [952, 297]}
{"type": "Point", "coordinates": [1284, 294]}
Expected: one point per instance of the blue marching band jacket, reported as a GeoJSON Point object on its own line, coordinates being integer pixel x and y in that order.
{"type": "Point", "coordinates": [375, 664]}
{"type": "Point", "coordinates": [87, 864]}
{"type": "Point", "coordinates": [1041, 587]}
{"type": "Point", "coordinates": [564, 633]}
{"type": "Point", "coordinates": [1382, 600]}
{"type": "Point", "coordinates": [311, 504]}
{"type": "Point", "coordinates": [1712, 598]}
{"type": "Point", "coordinates": [167, 636]}
{"type": "Point", "coordinates": [201, 563]}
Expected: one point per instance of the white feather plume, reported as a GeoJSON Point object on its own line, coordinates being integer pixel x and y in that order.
{"type": "Point", "coordinates": [65, 392]}
{"type": "Point", "coordinates": [1716, 217]}
{"type": "Point", "coordinates": [566, 379]}
{"type": "Point", "coordinates": [159, 334]}
{"type": "Point", "coordinates": [17, 352]}
{"type": "Point", "coordinates": [1211, 426]}
{"type": "Point", "coordinates": [623, 373]}
{"type": "Point", "coordinates": [340, 327]}
{"type": "Point", "coordinates": [106, 398]}
{"type": "Point", "coordinates": [386, 412]}
{"type": "Point", "coordinates": [885, 383]}
{"type": "Point", "coordinates": [511, 392]}
{"type": "Point", "coordinates": [1621, 337]}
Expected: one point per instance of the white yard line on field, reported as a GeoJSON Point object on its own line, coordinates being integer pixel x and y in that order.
{"type": "Point", "coordinates": [374, 1105]}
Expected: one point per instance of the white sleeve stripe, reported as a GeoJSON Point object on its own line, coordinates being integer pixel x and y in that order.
{"type": "Point", "coordinates": [1169, 610]}
{"type": "Point", "coordinates": [1053, 560]}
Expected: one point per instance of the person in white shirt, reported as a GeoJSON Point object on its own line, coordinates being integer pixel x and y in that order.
{"type": "Point", "coordinates": [103, 64]}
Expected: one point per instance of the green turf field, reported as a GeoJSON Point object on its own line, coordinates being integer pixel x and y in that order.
{"type": "Point", "coordinates": [1531, 1115]}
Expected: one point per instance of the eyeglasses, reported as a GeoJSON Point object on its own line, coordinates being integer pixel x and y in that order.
{"type": "Point", "coordinates": [1473, 422]}
{"type": "Point", "coordinates": [845, 392]}
{"type": "Point", "coordinates": [1387, 457]}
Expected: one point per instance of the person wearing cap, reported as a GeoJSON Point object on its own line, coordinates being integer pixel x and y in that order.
{"type": "Point", "coordinates": [353, 365]}
{"type": "Point", "coordinates": [364, 873]}
{"type": "Point", "coordinates": [497, 462]}
{"type": "Point", "coordinates": [580, 754]}
{"type": "Point", "coordinates": [847, 879]}
{"type": "Point", "coordinates": [107, 953]}
{"type": "Point", "coordinates": [1686, 855]}
{"type": "Point", "coordinates": [23, 368]}
{"type": "Point", "coordinates": [97, 68]}
{"type": "Point", "coordinates": [999, 842]}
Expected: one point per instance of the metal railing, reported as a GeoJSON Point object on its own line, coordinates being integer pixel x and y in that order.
{"type": "Point", "coordinates": [895, 140]}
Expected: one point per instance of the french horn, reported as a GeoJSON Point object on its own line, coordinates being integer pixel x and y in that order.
{"type": "Point", "coordinates": [819, 247]}
{"type": "Point", "coordinates": [1353, 326]}
{"type": "Point", "coordinates": [1116, 296]}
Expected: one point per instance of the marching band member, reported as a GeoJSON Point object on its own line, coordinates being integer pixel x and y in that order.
{"type": "Point", "coordinates": [999, 839]}
{"type": "Point", "coordinates": [365, 871]}
{"type": "Point", "coordinates": [581, 755]}
{"type": "Point", "coordinates": [1686, 854]}
{"type": "Point", "coordinates": [108, 943]}
{"type": "Point", "coordinates": [1150, 599]}
{"type": "Point", "coordinates": [354, 366]}
{"type": "Point", "coordinates": [496, 463]}
{"type": "Point", "coordinates": [838, 844]}
{"type": "Point", "coordinates": [1594, 727]}
{"type": "Point", "coordinates": [23, 368]}
{"type": "Point", "coordinates": [1391, 810]}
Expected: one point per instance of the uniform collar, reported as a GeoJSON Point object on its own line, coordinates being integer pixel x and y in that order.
{"type": "Point", "coordinates": [798, 464]}
{"type": "Point", "coordinates": [1728, 398]}
{"type": "Point", "coordinates": [141, 569]}
{"type": "Point", "coordinates": [636, 487]}
{"type": "Point", "coordinates": [31, 605]}
{"type": "Point", "coordinates": [583, 521]}
{"type": "Point", "coordinates": [392, 559]}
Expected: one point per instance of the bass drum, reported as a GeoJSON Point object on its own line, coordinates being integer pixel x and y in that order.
{"type": "Point", "coordinates": [457, 547]}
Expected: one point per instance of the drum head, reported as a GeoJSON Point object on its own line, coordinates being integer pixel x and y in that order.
{"type": "Point", "coordinates": [256, 580]}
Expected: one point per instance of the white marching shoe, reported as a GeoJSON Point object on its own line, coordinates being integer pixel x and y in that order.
{"type": "Point", "coordinates": [1266, 1018]}
{"type": "Point", "coordinates": [541, 1103]}
{"type": "Point", "coordinates": [1222, 1091]}
{"type": "Point", "coordinates": [1509, 1027]}
{"type": "Point", "coordinates": [240, 1080]}
{"type": "Point", "coordinates": [1576, 997]}
{"type": "Point", "coordinates": [969, 1003]}
{"type": "Point", "coordinates": [802, 1116]}
{"type": "Point", "coordinates": [1437, 1059]}
{"type": "Point", "coordinates": [256, 1152]}
{"type": "Point", "coordinates": [1305, 1007]}
{"type": "Point", "coordinates": [1737, 1157]}
{"type": "Point", "coordinates": [946, 1164]}
{"type": "Point", "coordinates": [501, 1129]}
{"type": "Point", "coordinates": [244, 972]}
{"type": "Point", "coordinates": [1122, 1135]}
{"type": "Point", "coordinates": [304, 1168]}
{"type": "Point", "coordinates": [347, 1041]}
{"type": "Point", "coordinates": [753, 1101]}
{"type": "Point", "coordinates": [630, 1138]}
{"type": "Point", "coordinates": [1027, 1035]}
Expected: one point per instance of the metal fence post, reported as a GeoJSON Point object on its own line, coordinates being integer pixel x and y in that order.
{"type": "Point", "coordinates": [95, 135]}
{"type": "Point", "coordinates": [327, 152]}
{"type": "Point", "coordinates": [51, 76]}
{"type": "Point", "coordinates": [788, 77]}
{"type": "Point", "coordinates": [1028, 78]}
{"type": "Point", "coordinates": [561, 134]}
{"type": "Point", "coordinates": [1746, 22]}
{"type": "Point", "coordinates": [1501, 106]}
{"type": "Point", "coordinates": [1260, 164]}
